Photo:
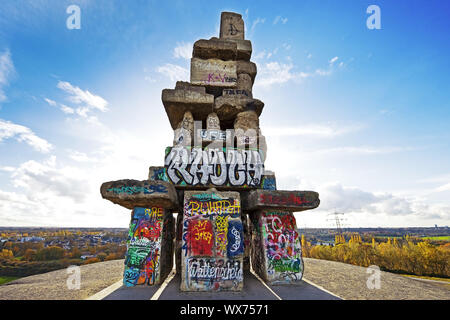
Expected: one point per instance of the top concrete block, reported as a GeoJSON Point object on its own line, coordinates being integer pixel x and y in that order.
{"type": "Point", "coordinates": [232, 26]}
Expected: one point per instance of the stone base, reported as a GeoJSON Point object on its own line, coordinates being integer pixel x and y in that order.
{"type": "Point", "coordinates": [276, 248]}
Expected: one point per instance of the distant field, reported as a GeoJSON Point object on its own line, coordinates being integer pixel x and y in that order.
{"type": "Point", "coordinates": [4, 280]}
{"type": "Point", "coordinates": [442, 238]}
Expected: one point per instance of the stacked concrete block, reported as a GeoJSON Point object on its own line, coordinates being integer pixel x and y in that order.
{"type": "Point", "coordinates": [150, 245]}
{"type": "Point", "coordinates": [149, 257]}
{"type": "Point", "coordinates": [212, 242]}
{"type": "Point", "coordinates": [216, 160]}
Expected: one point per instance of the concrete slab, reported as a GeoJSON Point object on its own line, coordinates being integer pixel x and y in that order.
{"type": "Point", "coordinates": [133, 293]}
{"type": "Point", "coordinates": [293, 201]}
{"type": "Point", "coordinates": [253, 290]}
{"type": "Point", "coordinates": [302, 291]}
{"type": "Point", "coordinates": [133, 193]}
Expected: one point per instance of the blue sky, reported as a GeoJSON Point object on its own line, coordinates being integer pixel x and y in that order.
{"type": "Point", "coordinates": [359, 115]}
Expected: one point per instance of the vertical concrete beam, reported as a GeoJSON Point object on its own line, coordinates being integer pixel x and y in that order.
{"type": "Point", "coordinates": [231, 26]}
{"type": "Point", "coordinates": [213, 242]}
{"type": "Point", "coordinates": [149, 257]}
{"type": "Point", "coordinates": [276, 247]}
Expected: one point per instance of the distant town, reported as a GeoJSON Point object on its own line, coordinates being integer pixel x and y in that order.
{"type": "Point", "coordinates": [26, 251]}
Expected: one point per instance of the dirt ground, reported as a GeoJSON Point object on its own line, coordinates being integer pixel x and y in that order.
{"type": "Point", "coordinates": [346, 281]}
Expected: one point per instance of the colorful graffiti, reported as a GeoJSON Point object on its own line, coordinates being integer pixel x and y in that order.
{"type": "Point", "coordinates": [285, 200]}
{"type": "Point", "coordinates": [217, 77]}
{"type": "Point", "coordinates": [143, 246]}
{"type": "Point", "coordinates": [235, 92]}
{"type": "Point", "coordinates": [219, 167]}
{"type": "Point", "coordinates": [281, 247]}
{"type": "Point", "coordinates": [235, 238]}
{"type": "Point", "coordinates": [269, 183]}
{"type": "Point", "coordinates": [212, 242]}
{"type": "Point", "coordinates": [200, 237]}
{"type": "Point", "coordinates": [149, 189]}
{"type": "Point", "coordinates": [221, 235]}
{"type": "Point", "coordinates": [159, 174]}
{"type": "Point", "coordinates": [212, 207]}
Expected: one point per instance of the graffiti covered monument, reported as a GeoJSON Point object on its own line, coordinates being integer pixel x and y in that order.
{"type": "Point", "coordinates": [230, 215]}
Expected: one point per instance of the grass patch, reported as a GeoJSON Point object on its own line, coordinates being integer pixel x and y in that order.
{"type": "Point", "coordinates": [4, 280]}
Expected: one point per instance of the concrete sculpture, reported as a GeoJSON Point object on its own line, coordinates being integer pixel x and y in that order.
{"type": "Point", "coordinates": [229, 211]}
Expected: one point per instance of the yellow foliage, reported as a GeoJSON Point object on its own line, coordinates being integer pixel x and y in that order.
{"type": "Point", "coordinates": [422, 258]}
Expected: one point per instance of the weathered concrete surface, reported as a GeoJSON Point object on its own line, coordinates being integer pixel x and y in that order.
{"type": "Point", "coordinates": [224, 49]}
{"type": "Point", "coordinates": [246, 120]}
{"type": "Point", "coordinates": [157, 173]}
{"type": "Point", "coordinates": [231, 26]}
{"type": "Point", "coordinates": [134, 193]}
{"type": "Point", "coordinates": [214, 72]}
{"type": "Point", "coordinates": [177, 102]}
{"type": "Point", "coordinates": [213, 242]}
{"type": "Point", "coordinates": [350, 282]}
{"type": "Point", "coordinates": [215, 49]}
{"type": "Point", "coordinates": [246, 67]}
{"type": "Point", "coordinates": [293, 201]}
{"type": "Point", "coordinates": [237, 92]}
{"type": "Point", "coordinates": [149, 257]}
{"type": "Point", "coordinates": [269, 181]}
{"type": "Point", "coordinates": [229, 106]}
{"type": "Point", "coordinates": [215, 167]}
{"type": "Point", "coordinates": [184, 133]}
{"type": "Point", "coordinates": [244, 82]}
{"type": "Point", "coordinates": [276, 249]}
{"type": "Point", "coordinates": [183, 85]}
{"type": "Point", "coordinates": [244, 49]}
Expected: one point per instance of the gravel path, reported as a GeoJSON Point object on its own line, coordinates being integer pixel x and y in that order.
{"type": "Point", "coordinates": [344, 280]}
{"type": "Point", "coordinates": [53, 285]}
{"type": "Point", "coordinates": [350, 282]}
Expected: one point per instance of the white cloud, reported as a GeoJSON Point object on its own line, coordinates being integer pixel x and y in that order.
{"type": "Point", "coordinates": [21, 133]}
{"type": "Point", "coordinates": [362, 150]}
{"type": "Point", "coordinates": [50, 194]}
{"type": "Point", "coordinates": [6, 70]}
{"type": "Point", "coordinates": [174, 72]}
{"type": "Point", "coordinates": [280, 19]}
{"type": "Point", "coordinates": [333, 60]}
{"type": "Point", "coordinates": [318, 130]}
{"type": "Point", "coordinates": [78, 96]}
{"type": "Point", "coordinates": [66, 109]}
{"type": "Point", "coordinates": [335, 196]}
{"type": "Point", "coordinates": [81, 156]}
{"type": "Point", "coordinates": [287, 46]}
{"type": "Point", "coordinates": [271, 73]}
{"type": "Point", "coordinates": [50, 102]}
{"type": "Point", "coordinates": [183, 51]}
{"type": "Point", "coordinates": [445, 187]}
{"type": "Point", "coordinates": [256, 22]}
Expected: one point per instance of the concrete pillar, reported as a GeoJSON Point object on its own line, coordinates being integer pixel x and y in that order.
{"type": "Point", "coordinates": [213, 242]}
{"type": "Point", "coordinates": [149, 257]}
{"type": "Point", "coordinates": [276, 248]}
